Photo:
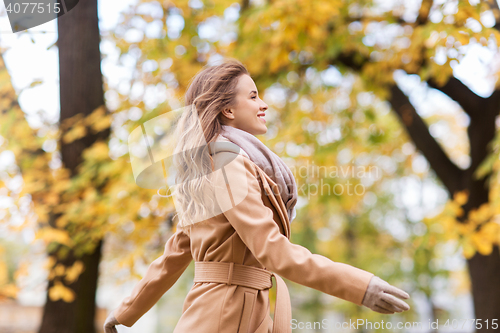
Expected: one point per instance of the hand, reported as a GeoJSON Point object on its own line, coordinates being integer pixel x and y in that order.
{"type": "Point", "coordinates": [109, 324]}
{"type": "Point", "coordinates": [379, 297]}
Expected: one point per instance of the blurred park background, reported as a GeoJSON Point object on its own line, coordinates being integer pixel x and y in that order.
{"type": "Point", "coordinates": [407, 90]}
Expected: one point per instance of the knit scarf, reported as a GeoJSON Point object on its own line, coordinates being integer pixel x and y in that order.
{"type": "Point", "coordinates": [269, 162]}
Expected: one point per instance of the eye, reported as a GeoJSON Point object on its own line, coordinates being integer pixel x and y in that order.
{"type": "Point", "coordinates": [254, 96]}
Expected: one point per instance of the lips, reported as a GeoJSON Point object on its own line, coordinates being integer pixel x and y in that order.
{"type": "Point", "coordinates": [261, 115]}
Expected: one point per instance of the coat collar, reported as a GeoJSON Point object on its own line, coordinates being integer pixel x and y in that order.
{"type": "Point", "coordinates": [270, 187]}
{"type": "Point", "coordinates": [272, 192]}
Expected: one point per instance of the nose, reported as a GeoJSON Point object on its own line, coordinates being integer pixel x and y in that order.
{"type": "Point", "coordinates": [264, 106]}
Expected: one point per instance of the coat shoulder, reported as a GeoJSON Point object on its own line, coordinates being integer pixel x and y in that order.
{"type": "Point", "coordinates": [234, 162]}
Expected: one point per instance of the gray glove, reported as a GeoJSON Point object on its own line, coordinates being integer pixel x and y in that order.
{"type": "Point", "coordinates": [379, 297]}
{"type": "Point", "coordinates": [110, 323]}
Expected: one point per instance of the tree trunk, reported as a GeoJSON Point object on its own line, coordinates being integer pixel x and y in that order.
{"type": "Point", "coordinates": [484, 271]}
{"type": "Point", "coordinates": [81, 91]}
{"type": "Point", "coordinates": [78, 316]}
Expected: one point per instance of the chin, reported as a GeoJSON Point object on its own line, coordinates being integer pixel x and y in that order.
{"type": "Point", "coordinates": [257, 130]}
{"type": "Point", "coordinates": [260, 130]}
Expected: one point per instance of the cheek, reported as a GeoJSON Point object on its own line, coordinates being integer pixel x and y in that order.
{"type": "Point", "coordinates": [249, 111]}
{"type": "Point", "coordinates": [246, 112]}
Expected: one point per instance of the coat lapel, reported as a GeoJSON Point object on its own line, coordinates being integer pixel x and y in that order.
{"type": "Point", "coordinates": [271, 188]}
{"type": "Point", "coordinates": [272, 192]}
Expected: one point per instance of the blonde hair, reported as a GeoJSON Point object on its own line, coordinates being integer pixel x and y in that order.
{"type": "Point", "coordinates": [212, 90]}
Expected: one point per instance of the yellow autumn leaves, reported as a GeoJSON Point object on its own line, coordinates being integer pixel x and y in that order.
{"type": "Point", "coordinates": [69, 274]}
{"type": "Point", "coordinates": [479, 232]}
{"type": "Point", "coordinates": [59, 291]}
{"type": "Point", "coordinates": [54, 235]}
{"type": "Point", "coordinates": [97, 121]}
{"type": "Point", "coordinates": [7, 290]}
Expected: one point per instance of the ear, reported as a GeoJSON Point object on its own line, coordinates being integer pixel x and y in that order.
{"type": "Point", "coordinates": [228, 113]}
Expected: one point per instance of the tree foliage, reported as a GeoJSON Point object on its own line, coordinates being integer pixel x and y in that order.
{"type": "Point", "coordinates": [326, 69]}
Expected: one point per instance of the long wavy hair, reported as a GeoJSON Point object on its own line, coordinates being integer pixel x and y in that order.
{"type": "Point", "coordinates": [211, 90]}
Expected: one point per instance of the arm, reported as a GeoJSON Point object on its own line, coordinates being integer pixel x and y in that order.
{"type": "Point", "coordinates": [253, 221]}
{"type": "Point", "coordinates": [159, 277]}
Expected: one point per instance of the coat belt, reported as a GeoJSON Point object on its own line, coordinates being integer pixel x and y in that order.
{"type": "Point", "coordinates": [231, 273]}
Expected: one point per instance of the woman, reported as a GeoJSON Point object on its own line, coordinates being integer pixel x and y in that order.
{"type": "Point", "coordinates": [244, 241]}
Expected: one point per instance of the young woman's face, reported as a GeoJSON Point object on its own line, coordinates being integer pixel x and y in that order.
{"type": "Point", "coordinates": [248, 113]}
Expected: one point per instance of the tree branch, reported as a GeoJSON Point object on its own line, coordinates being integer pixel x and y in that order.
{"type": "Point", "coordinates": [389, 17]}
{"type": "Point", "coordinates": [445, 169]}
{"type": "Point", "coordinates": [461, 94]}
{"type": "Point", "coordinates": [244, 5]}
{"type": "Point", "coordinates": [423, 13]}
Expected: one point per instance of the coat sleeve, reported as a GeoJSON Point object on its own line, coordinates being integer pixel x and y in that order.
{"type": "Point", "coordinates": [254, 223]}
{"type": "Point", "coordinates": [159, 278]}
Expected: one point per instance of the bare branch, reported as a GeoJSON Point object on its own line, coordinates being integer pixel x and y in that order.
{"type": "Point", "coordinates": [423, 13]}
{"type": "Point", "coordinates": [445, 169]}
{"type": "Point", "coordinates": [461, 94]}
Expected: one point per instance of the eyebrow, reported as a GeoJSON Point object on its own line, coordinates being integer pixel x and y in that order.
{"type": "Point", "coordinates": [253, 91]}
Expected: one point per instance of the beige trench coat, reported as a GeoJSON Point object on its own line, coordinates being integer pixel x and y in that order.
{"type": "Point", "coordinates": [254, 232]}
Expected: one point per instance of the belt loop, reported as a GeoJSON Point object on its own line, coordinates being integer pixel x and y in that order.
{"type": "Point", "coordinates": [230, 275]}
